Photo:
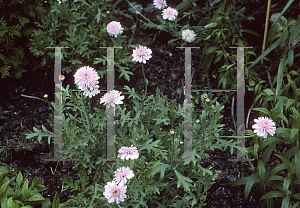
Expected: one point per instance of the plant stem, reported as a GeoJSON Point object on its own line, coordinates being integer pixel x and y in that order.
{"type": "Point", "coordinates": [86, 113]}
{"type": "Point", "coordinates": [119, 41]}
{"type": "Point", "coordinates": [146, 81]}
{"type": "Point", "coordinates": [90, 105]}
{"type": "Point", "coordinates": [134, 30]}
{"type": "Point", "coordinates": [141, 13]}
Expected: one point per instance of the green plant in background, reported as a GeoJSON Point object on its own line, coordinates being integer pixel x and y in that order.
{"type": "Point", "coordinates": [283, 36]}
{"type": "Point", "coordinates": [279, 181]}
{"type": "Point", "coordinates": [15, 193]}
{"type": "Point", "coordinates": [82, 27]}
{"type": "Point", "coordinates": [15, 27]}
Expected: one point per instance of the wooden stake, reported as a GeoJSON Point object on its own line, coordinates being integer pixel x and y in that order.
{"type": "Point", "coordinates": [266, 29]}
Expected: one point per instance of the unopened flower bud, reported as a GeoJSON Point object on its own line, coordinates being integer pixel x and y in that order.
{"type": "Point", "coordinates": [215, 111]}
{"type": "Point", "coordinates": [205, 96]}
{"type": "Point", "coordinates": [45, 96]}
{"type": "Point", "coordinates": [172, 132]}
{"type": "Point", "coordinates": [197, 121]}
{"type": "Point", "coordinates": [107, 12]}
{"type": "Point", "coordinates": [207, 100]}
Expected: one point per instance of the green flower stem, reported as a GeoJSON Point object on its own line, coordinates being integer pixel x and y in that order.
{"type": "Point", "coordinates": [141, 14]}
{"type": "Point", "coordinates": [146, 81]}
{"type": "Point", "coordinates": [86, 113]}
{"type": "Point", "coordinates": [90, 108]}
{"type": "Point", "coordinates": [119, 40]}
{"type": "Point", "coordinates": [137, 17]}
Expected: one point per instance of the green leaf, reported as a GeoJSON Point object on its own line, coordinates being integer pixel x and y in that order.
{"type": "Point", "coordinates": [283, 117]}
{"type": "Point", "coordinates": [19, 180]}
{"type": "Point", "coordinates": [290, 58]}
{"type": "Point", "coordinates": [294, 131]}
{"type": "Point", "coordinates": [83, 2]}
{"type": "Point", "coordinates": [256, 146]}
{"type": "Point", "coordinates": [132, 93]}
{"type": "Point", "coordinates": [268, 50]}
{"type": "Point", "coordinates": [4, 203]}
{"type": "Point", "coordinates": [25, 190]}
{"type": "Point", "coordinates": [297, 164]}
{"type": "Point", "coordinates": [284, 9]}
{"type": "Point", "coordinates": [98, 16]}
{"type": "Point", "coordinates": [268, 152]}
{"type": "Point", "coordinates": [11, 203]}
{"type": "Point", "coordinates": [272, 194]}
{"type": "Point", "coordinates": [211, 49]}
{"type": "Point", "coordinates": [268, 92]}
{"type": "Point", "coordinates": [124, 118]}
{"type": "Point", "coordinates": [149, 145]}
{"type": "Point", "coordinates": [241, 181]}
{"type": "Point", "coordinates": [280, 74]}
{"type": "Point", "coordinates": [210, 25]}
{"type": "Point", "coordinates": [285, 202]}
{"type": "Point", "coordinates": [278, 168]}
{"type": "Point", "coordinates": [275, 178]}
{"type": "Point", "coordinates": [296, 196]}
{"type": "Point", "coordinates": [249, 31]}
{"type": "Point", "coordinates": [286, 185]}
{"type": "Point", "coordinates": [3, 189]}
{"type": "Point", "coordinates": [124, 72]}
{"type": "Point", "coordinates": [36, 197]}
{"type": "Point", "coordinates": [263, 110]}
{"type": "Point", "coordinates": [159, 167]}
{"type": "Point", "coordinates": [184, 181]}
{"type": "Point", "coordinates": [249, 184]}
{"type": "Point", "coordinates": [296, 205]}
{"type": "Point", "coordinates": [261, 173]}
{"type": "Point", "coordinates": [289, 103]}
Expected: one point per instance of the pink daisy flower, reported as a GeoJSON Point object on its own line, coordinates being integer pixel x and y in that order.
{"type": "Point", "coordinates": [61, 77]}
{"type": "Point", "coordinates": [86, 78]}
{"type": "Point", "coordinates": [160, 4]}
{"type": "Point", "coordinates": [122, 174]}
{"type": "Point", "coordinates": [114, 192]}
{"type": "Point", "coordinates": [170, 13]}
{"type": "Point", "coordinates": [114, 28]}
{"type": "Point", "coordinates": [128, 153]}
{"type": "Point", "coordinates": [111, 98]}
{"type": "Point", "coordinates": [141, 54]}
{"type": "Point", "coordinates": [263, 126]}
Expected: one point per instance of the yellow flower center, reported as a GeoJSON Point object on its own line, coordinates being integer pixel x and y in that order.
{"type": "Point", "coordinates": [115, 191]}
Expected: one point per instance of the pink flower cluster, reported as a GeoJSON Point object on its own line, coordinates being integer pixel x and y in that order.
{"type": "Point", "coordinates": [168, 13]}
{"type": "Point", "coordinates": [86, 78]}
{"type": "Point", "coordinates": [263, 126]}
{"type": "Point", "coordinates": [128, 153]}
{"type": "Point", "coordinates": [111, 98]}
{"type": "Point", "coordinates": [141, 54]}
{"type": "Point", "coordinates": [116, 190]}
{"type": "Point", "coordinates": [160, 4]}
{"type": "Point", "coordinates": [114, 28]}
